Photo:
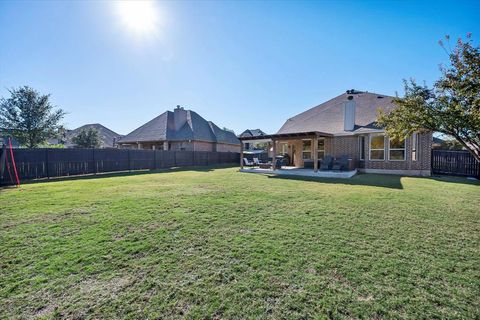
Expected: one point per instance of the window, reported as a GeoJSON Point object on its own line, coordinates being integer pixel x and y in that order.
{"type": "Point", "coordinates": [377, 147]}
{"type": "Point", "coordinates": [414, 146]}
{"type": "Point", "coordinates": [307, 149]}
{"type": "Point", "coordinates": [284, 148]}
{"type": "Point", "coordinates": [396, 150]}
{"type": "Point", "coordinates": [361, 147]}
{"type": "Point", "coordinates": [321, 148]}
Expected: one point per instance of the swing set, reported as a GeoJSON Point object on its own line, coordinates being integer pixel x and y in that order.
{"type": "Point", "coordinates": [6, 152]}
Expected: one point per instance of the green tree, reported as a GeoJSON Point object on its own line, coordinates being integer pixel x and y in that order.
{"type": "Point", "coordinates": [87, 138]}
{"type": "Point", "coordinates": [451, 107]}
{"type": "Point", "coordinates": [29, 116]}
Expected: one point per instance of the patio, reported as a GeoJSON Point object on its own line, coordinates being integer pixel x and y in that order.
{"type": "Point", "coordinates": [299, 154]}
{"type": "Point", "coordinates": [302, 172]}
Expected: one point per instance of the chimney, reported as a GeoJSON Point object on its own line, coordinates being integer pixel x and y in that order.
{"type": "Point", "coordinates": [179, 117]}
{"type": "Point", "coordinates": [349, 114]}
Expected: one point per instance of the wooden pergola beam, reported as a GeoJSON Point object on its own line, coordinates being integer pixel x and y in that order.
{"type": "Point", "coordinates": [274, 151]}
{"type": "Point", "coordinates": [287, 136]}
{"type": "Point", "coordinates": [315, 153]}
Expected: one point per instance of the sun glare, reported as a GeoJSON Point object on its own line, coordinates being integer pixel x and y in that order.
{"type": "Point", "coordinates": [138, 16]}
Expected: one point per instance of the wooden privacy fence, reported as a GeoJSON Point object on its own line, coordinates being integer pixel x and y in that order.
{"type": "Point", "coordinates": [453, 162]}
{"type": "Point", "coordinates": [47, 163]}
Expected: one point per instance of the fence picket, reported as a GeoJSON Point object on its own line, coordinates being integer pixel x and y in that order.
{"type": "Point", "coordinates": [455, 162]}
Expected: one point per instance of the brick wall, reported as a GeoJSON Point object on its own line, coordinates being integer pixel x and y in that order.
{"type": "Point", "coordinates": [423, 161]}
{"type": "Point", "coordinates": [223, 147]}
{"type": "Point", "coordinates": [186, 145]}
{"type": "Point", "coordinates": [350, 146]}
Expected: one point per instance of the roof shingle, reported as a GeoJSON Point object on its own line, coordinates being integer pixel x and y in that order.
{"type": "Point", "coordinates": [328, 117]}
{"type": "Point", "coordinates": [162, 128]}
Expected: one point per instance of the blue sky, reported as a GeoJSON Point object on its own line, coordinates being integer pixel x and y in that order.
{"type": "Point", "coordinates": [239, 64]}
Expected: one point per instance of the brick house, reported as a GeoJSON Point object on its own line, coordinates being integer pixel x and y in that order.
{"type": "Point", "coordinates": [345, 125]}
{"type": "Point", "coordinates": [180, 130]}
{"type": "Point", "coordinates": [251, 145]}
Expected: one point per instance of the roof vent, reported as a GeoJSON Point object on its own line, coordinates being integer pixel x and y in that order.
{"type": "Point", "coordinates": [353, 91]}
{"type": "Point", "coordinates": [379, 97]}
{"type": "Point", "coordinates": [350, 98]}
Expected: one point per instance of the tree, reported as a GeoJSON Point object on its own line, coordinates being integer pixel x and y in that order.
{"type": "Point", "coordinates": [29, 116]}
{"type": "Point", "coordinates": [87, 139]}
{"type": "Point", "coordinates": [451, 107]}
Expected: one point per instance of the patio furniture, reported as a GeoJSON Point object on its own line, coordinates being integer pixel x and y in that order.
{"type": "Point", "coordinates": [248, 163]}
{"type": "Point", "coordinates": [341, 164]}
{"type": "Point", "coordinates": [308, 164]}
{"type": "Point", "coordinates": [256, 161]}
{"type": "Point", "coordinates": [278, 163]}
{"type": "Point", "coordinates": [326, 163]}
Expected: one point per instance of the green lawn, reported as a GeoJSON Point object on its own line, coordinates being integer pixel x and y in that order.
{"type": "Point", "coordinates": [217, 243]}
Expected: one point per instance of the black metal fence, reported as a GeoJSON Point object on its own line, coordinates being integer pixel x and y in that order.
{"type": "Point", "coordinates": [453, 162]}
{"type": "Point", "coordinates": [48, 163]}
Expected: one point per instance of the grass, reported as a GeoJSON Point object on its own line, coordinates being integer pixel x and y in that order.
{"type": "Point", "coordinates": [222, 244]}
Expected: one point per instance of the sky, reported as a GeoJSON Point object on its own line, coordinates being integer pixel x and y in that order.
{"type": "Point", "coordinates": [239, 64]}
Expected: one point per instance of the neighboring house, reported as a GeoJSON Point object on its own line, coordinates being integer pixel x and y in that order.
{"type": "Point", "coordinates": [252, 145]}
{"type": "Point", "coordinates": [181, 130]}
{"type": "Point", "coordinates": [108, 137]}
{"type": "Point", "coordinates": [346, 125]}
{"type": "Point", "coordinates": [252, 133]}
{"type": "Point", "coordinates": [437, 143]}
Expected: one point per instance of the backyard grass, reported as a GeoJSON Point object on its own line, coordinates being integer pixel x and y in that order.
{"type": "Point", "coordinates": [216, 243]}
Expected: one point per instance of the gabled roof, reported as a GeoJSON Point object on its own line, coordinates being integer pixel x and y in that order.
{"type": "Point", "coordinates": [328, 117]}
{"type": "Point", "coordinates": [251, 133]}
{"type": "Point", "coordinates": [107, 136]}
{"type": "Point", "coordinates": [162, 128]}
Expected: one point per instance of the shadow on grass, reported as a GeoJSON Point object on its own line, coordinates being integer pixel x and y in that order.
{"type": "Point", "coordinates": [121, 174]}
{"type": "Point", "coordinates": [455, 179]}
{"type": "Point", "coordinates": [375, 180]}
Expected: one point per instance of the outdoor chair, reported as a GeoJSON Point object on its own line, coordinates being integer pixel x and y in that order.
{"type": "Point", "coordinates": [341, 164]}
{"type": "Point", "coordinates": [326, 163]}
{"type": "Point", "coordinates": [248, 163]}
{"type": "Point", "coordinates": [256, 161]}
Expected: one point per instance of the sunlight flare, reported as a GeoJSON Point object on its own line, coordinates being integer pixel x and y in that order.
{"type": "Point", "coordinates": [138, 16]}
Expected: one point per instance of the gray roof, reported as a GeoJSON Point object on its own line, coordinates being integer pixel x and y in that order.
{"type": "Point", "coordinates": [107, 136]}
{"type": "Point", "coordinates": [436, 140]}
{"type": "Point", "coordinates": [328, 117]}
{"type": "Point", "coordinates": [162, 128]}
{"type": "Point", "coordinates": [252, 133]}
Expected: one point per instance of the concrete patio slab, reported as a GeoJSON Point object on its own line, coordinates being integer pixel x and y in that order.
{"type": "Point", "coordinates": [303, 172]}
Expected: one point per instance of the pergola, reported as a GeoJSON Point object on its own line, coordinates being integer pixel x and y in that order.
{"type": "Point", "coordinates": [313, 135]}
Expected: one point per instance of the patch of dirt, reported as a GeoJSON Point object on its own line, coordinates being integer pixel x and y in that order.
{"type": "Point", "coordinates": [86, 293]}
{"type": "Point", "coordinates": [365, 298]}
{"type": "Point", "coordinates": [45, 311]}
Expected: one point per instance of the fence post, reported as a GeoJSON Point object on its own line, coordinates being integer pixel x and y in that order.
{"type": "Point", "coordinates": [129, 166]}
{"type": "Point", "coordinates": [154, 159]}
{"type": "Point", "coordinates": [94, 162]}
{"type": "Point", "coordinates": [46, 164]}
